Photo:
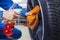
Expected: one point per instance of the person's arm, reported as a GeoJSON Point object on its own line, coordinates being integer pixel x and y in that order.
{"type": "Point", "coordinates": [1, 24]}
{"type": "Point", "coordinates": [1, 14]}
{"type": "Point", "coordinates": [23, 13]}
{"type": "Point", "coordinates": [6, 4]}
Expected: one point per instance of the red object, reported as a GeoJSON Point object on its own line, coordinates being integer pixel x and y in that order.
{"type": "Point", "coordinates": [8, 30]}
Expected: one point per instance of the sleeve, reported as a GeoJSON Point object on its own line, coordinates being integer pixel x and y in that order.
{"type": "Point", "coordinates": [1, 13]}
{"type": "Point", "coordinates": [23, 12]}
{"type": "Point", "coordinates": [6, 4]}
{"type": "Point", "coordinates": [2, 25]}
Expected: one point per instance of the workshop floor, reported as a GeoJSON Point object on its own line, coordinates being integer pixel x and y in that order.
{"type": "Point", "coordinates": [25, 32]}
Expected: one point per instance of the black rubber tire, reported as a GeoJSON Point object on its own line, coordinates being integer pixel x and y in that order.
{"type": "Point", "coordinates": [51, 18]}
{"type": "Point", "coordinates": [50, 12]}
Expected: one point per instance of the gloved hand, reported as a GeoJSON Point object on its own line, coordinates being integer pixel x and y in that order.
{"type": "Point", "coordinates": [10, 15]}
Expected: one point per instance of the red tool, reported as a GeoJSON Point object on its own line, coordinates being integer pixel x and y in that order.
{"type": "Point", "coordinates": [8, 30]}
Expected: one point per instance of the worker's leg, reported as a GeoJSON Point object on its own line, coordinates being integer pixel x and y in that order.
{"type": "Point", "coordinates": [17, 34]}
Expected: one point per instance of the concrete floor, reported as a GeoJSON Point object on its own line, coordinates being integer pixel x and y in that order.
{"type": "Point", "coordinates": [25, 32]}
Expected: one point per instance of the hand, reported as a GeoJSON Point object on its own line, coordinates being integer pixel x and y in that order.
{"type": "Point", "coordinates": [11, 15]}
{"type": "Point", "coordinates": [28, 14]}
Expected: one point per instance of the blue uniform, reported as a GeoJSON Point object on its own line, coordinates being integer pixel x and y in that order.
{"type": "Point", "coordinates": [6, 4]}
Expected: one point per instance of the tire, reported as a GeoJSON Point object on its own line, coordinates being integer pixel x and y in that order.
{"type": "Point", "coordinates": [50, 13]}
{"type": "Point", "coordinates": [30, 6]}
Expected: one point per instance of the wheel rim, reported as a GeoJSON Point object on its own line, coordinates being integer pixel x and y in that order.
{"type": "Point", "coordinates": [42, 20]}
